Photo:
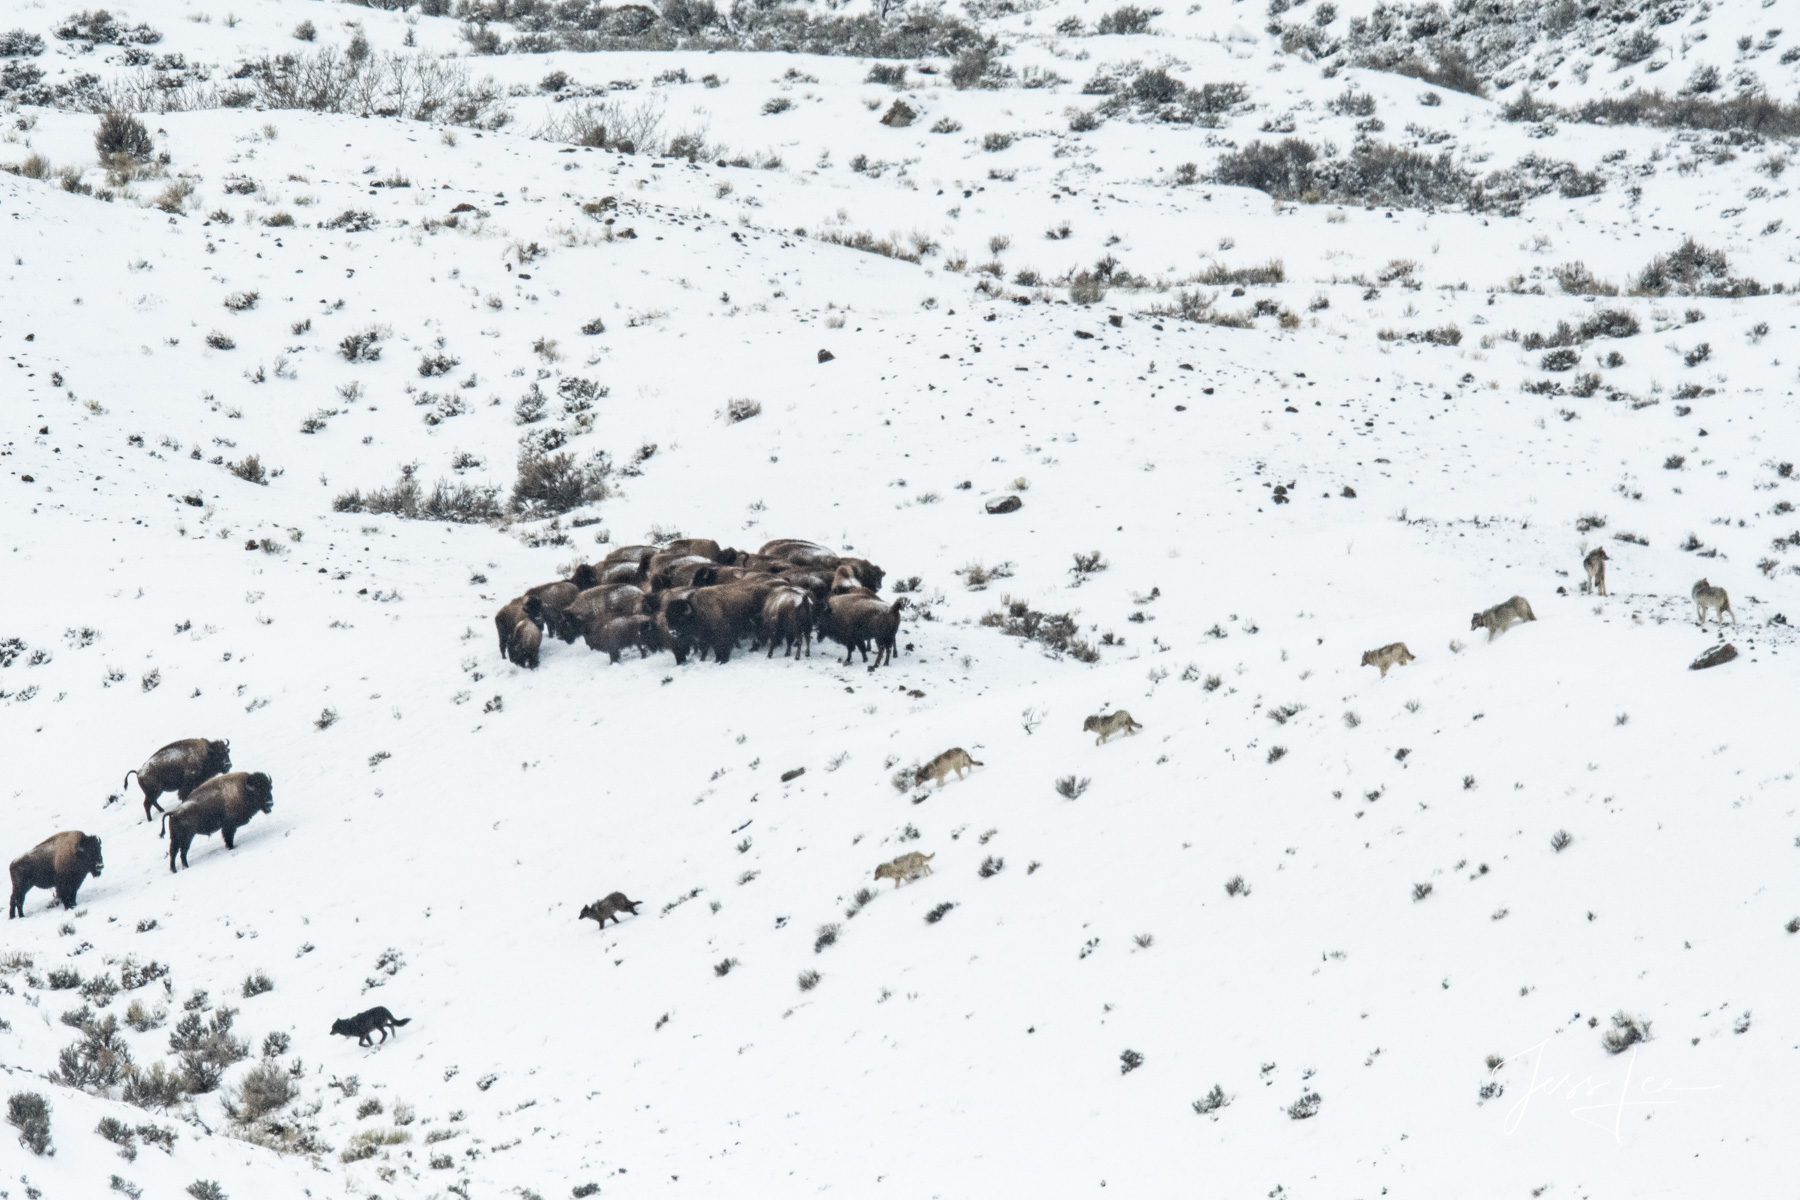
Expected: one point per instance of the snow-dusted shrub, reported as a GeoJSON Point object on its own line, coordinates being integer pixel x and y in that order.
{"type": "Point", "coordinates": [1626, 1032]}
{"type": "Point", "coordinates": [1127, 18]}
{"type": "Point", "coordinates": [459, 503]}
{"type": "Point", "coordinates": [122, 133]}
{"type": "Point", "coordinates": [267, 1088]}
{"type": "Point", "coordinates": [29, 1113]}
{"type": "Point", "coordinates": [19, 43]}
{"type": "Point", "coordinates": [549, 485]}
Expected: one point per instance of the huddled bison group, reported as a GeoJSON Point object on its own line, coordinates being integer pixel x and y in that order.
{"type": "Point", "coordinates": [693, 596]}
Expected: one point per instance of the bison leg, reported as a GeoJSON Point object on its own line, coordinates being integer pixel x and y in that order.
{"type": "Point", "coordinates": [17, 907]}
{"type": "Point", "coordinates": [149, 801]}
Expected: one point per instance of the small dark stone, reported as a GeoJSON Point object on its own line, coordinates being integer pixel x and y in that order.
{"type": "Point", "coordinates": [796, 773]}
{"type": "Point", "coordinates": [826, 356]}
{"type": "Point", "coordinates": [1349, 493]}
{"type": "Point", "coordinates": [1005, 504]}
{"type": "Point", "coordinates": [1717, 656]}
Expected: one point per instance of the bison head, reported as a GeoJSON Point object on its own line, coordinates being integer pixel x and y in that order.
{"type": "Point", "coordinates": [87, 855]}
{"type": "Point", "coordinates": [260, 793]}
{"type": "Point", "coordinates": [866, 572]}
{"type": "Point", "coordinates": [679, 611]}
{"type": "Point", "coordinates": [585, 577]}
{"type": "Point", "coordinates": [218, 757]}
{"type": "Point", "coordinates": [705, 576]}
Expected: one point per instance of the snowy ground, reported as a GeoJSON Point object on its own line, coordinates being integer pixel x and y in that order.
{"type": "Point", "coordinates": [1405, 915]}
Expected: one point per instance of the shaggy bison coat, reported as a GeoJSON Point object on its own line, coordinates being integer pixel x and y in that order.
{"type": "Point", "coordinates": [787, 618]}
{"type": "Point", "coordinates": [523, 648]}
{"type": "Point", "coordinates": [817, 557]}
{"type": "Point", "coordinates": [716, 617]}
{"type": "Point", "coordinates": [615, 635]}
{"type": "Point", "coordinates": [552, 599]}
{"type": "Point", "coordinates": [620, 572]}
{"type": "Point", "coordinates": [61, 861]}
{"type": "Point", "coordinates": [704, 547]}
{"type": "Point", "coordinates": [180, 767]}
{"type": "Point", "coordinates": [854, 619]}
{"type": "Point", "coordinates": [630, 554]}
{"type": "Point", "coordinates": [222, 805]}
{"type": "Point", "coordinates": [506, 621]}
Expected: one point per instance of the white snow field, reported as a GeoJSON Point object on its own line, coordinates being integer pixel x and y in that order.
{"type": "Point", "coordinates": [1515, 920]}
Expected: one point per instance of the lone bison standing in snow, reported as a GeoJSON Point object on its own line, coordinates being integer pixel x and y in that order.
{"type": "Point", "coordinates": [180, 767]}
{"type": "Point", "coordinates": [61, 861]}
{"type": "Point", "coordinates": [222, 806]}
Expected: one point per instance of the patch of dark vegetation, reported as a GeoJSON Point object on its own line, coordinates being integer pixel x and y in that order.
{"type": "Point", "coordinates": [700, 25]}
{"type": "Point", "coordinates": [549, 485]}
{"type": "Point", "coordinates": [1693, 270]}
{"type": "Point", "coordinates": [459, 503]}
{"type": "Point", "coordinates": [1752, 113]}
{"type": "Point", "coordinates": [1056, 631]}
{"type": "Point", "coordinates": [1158, 95]}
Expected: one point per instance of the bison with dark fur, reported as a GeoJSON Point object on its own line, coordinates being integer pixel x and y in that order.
{"type": "Point", "coordinates": [854, 619]}
{"type": "Point", "coordinates": [552, 599]}
{"type": "Point", "coordinates": [787, 618]}
{"type": "Point", "coordinates": [615, 635]}
{"type": "Point", "coordinates": [680, 570]}
{"type": "Point", "coordinates": [812, 555]}
{"type": "Point", "coordinates": [180, 767]}
{"type": "Point", "coordinates": [222, 805]}
{"type": "Point", "coordinates": [519, 608]}
{"type": "Point", "coordinates": [705, 547]}
{"type": "Point", "coordinates": [621, 572]}
{"type": "Point", "coordinates": [716, 617]}
{"type": "Point", "coordinates": [60, 862]}
{"type": "Point", "coordinates": [527, 640]}
{"type": "Point", "coordinates": [630, 554]}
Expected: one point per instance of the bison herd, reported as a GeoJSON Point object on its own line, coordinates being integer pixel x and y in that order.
{"type": "Point", "coordinates": [693, 597]}
{"type": "Point", "coordinates": [214, 799]}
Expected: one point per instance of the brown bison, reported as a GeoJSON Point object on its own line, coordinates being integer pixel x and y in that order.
{"type": "Point", "coordinates": [527, 640]}
{"type": "Point", "coordinates": [853, 620]}
{"type": "Point", "coordinates": [61, 862]}
{"type": "Point", "coordinates": [813, 555]}
{"type": "Point", "coordinates": [787, 618]}
{"type": "Point", "coordinates": [677, 637]}
{"type": "Point", "coordinates": [506, 621]}
{"type": "Point", "coordinates": [680, 570]}
{"type": "Point", "coordinates": [630, 554]}
{"type": "Point", "coordinates": [180, 767]}
{"type": "Point", "coordinates": [716, 617]}
{"type": "Point", "coordinates": [552, 599]}
{"type": "Point", "coordinates": [221, 805]}
{"type": "Point", "coordinates": [620, 572]}
{"type": "Point", "coordinates": [618, 634]}
{"type": "Point", "coordinates": [704, 547]}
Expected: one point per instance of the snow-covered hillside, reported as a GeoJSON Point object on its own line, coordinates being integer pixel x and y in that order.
{"type": "Point", "coordinates": [1515, 919]}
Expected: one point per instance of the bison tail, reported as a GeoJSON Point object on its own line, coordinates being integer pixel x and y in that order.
{"type": "Point", "coordinates": [126, 782]}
